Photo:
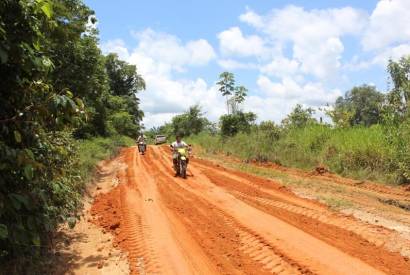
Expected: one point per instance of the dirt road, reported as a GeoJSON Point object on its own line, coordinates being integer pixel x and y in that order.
{"type": "Point", "coordinates": [221, 221]}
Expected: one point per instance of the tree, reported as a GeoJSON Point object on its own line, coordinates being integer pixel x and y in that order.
{"type": "Point", "coordinates": [36, 118]}
{"type": "Point", "coordinates": [78, 63]}
{"type": "Point", "coordinates": [299, 117]}
{"type": "Point", "coordinates": [240, 93]}
{"type": "Point", "coordinates": [231, 124]}
{"type": "Point", "coordinates": [190, 122]}
{"type": "Point", "coordinates": [54, 82]}
{"type": "Point", "coordinates": [361, 105]}
{"type": "Point", "coordinates": [125, 82]}
{"type": "Point", "coordinates": [235, 100]}
{"type": "Point", "coordinates": [366, 104]}
{"type": "Point", "coordinates": [226, 85]}
{"type": "Point", "coordinates": [123, 78]}
{"type": "Point", "coordinates": [166, 130]}
{"type": "Point", "coordinates": [401, 142]}
{"type": "Point", "coordinates": [399, 98]}
{"type": "Point", "coordinates": [340, 116]}
{"type": "Point", "coordinates": [120, 120]}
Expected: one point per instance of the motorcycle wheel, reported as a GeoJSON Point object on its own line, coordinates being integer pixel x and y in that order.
{"type": "Point", "coordinates": [183, 169]}
{"type": "Point", "coordinates": [176, 168]}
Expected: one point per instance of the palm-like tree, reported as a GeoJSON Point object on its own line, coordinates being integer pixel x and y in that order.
{"type": "Point", "coordinates": [226, 85]}
{"type": "Point", "coordinates": [240, 93]}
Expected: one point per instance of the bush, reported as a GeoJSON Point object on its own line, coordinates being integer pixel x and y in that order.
{"type": "Point", "coordinates": [190, 122]}
{"type": "Point", "coordinates": [238, 122]}
{"type": "Point", "coordinates": [57, 180]}
{"type": "Point", "coordinates": [361, 152]}
{"type": "Point", "coordinates": [40, 187]}
{"type": "Point", "coordinates": [402, 147]}
{"type": "Point", "coordinates": [93, 150]}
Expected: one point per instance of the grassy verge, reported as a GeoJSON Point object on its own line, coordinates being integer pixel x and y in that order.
{"type": "Point", "coordinates": [334, 195]}
{"type": "Point", "coordinates": [357, 152]}
{"type": "Point", "coordinates": [91, 151]}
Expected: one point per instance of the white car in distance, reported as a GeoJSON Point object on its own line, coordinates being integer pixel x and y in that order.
{"type": "Point", "coordinates": [159, 139]}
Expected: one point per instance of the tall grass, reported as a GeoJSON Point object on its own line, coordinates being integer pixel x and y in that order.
{"type": "Point", "coordinates": [93, 150]}
{"type": "Point", "coordinates": [358, 152]}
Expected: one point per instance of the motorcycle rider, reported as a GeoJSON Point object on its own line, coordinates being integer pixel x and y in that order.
{"type": "Point", "coordinates": [141, 141]}
{"type": "Point", "coordinates": [178, 143]}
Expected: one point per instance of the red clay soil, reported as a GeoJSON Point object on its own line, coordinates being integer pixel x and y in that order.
{"type": "Point", "coordinates": [220, 221]}
{"type": "Point", "coordinates": [321, 172]}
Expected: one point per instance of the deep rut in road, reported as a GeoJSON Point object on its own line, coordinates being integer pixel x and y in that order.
{"type": "Point", "coordinates": [220, 221]}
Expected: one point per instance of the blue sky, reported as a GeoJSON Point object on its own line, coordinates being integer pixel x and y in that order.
{"type": "Point", "coordinates": [284, 52]}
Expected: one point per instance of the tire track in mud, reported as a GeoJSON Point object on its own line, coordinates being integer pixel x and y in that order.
{"type": "Point", "coordinates": [143, 255]}
{"type": "Point", "coordinates": [226, 224]}
{"type": "Point", "coordinates": [300, 252]}
{"type": "Point", "coordinates": [393, 192]}
{"type": "Point", "coordinates": [243, 187]}
{"type": "Point", "coordinates": [167, 243]}
{"type": "Point", "coordinates": [154, 244]}
{"type": "Point", "coordinates": [132, 233]}
{"type": "Point", "coordinates": [292, 211]}
{"type": "Point", "coordinates": [253, 254]}
{"type": "Point", "coordinates": [271, 259]}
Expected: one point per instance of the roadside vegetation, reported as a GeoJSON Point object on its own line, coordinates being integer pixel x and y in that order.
{"type": "Point", "coordinates": [63, 107]}
{"type": "Point", "coordinates": [362, 153]}
{"type": "Point", "coordinates": [367, 138]}
{"type": "Point", "coordinates": [93, 150]}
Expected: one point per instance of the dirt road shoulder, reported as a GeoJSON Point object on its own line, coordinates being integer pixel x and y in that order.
{"type": "Point", "coordinates": [87, 248]}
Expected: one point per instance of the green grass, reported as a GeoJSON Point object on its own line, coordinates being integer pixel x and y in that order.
{"type": "Point", "coordinates": [91, 151]}
{"type": "Point", "coordinates": [335, 196]}
{"type": "Point", "coordinates": [357, 152]}
{"type": "Point", "coordinates": [336, 203]}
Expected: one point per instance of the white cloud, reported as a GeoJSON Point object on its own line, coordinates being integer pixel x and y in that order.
{"type": "Point", "coordinates": [168, 49]}
{"type": "Point", "coordinates": [165, 95]}
{"type": "Point", "coordinates": [319, 58]}
{"type": "Point", "coordinates": [311, 93]}
{"type": "Point", "coordinates": [230, 64]}
{"type": "Point", "coordinates": [252, 18]}
{"type": "Point", "coordinates": [314, 37]}
{"type": "Point", "coordinates": [381, 58]}
{"type": "Point", "coordinates": [278, 98]}
{"type": "Point", "coordinates": [115, 46]}
{"type": "Point", "coordinates": [281, 67]}
{"type": "Point", "coordinates": [158, 56]}
{"type": "Point", "coordinates": [394, 53]}
{"type": "Point", "coordinates": [233, 42]}
{"type": "Point", "coordinates": [200, 52]}
{"type": "Point", "coordinates": [385, 36]}
{"type": "Point", "coordinates": [157, 119]}
{"type": "Point", "coordinates": [294, 23]}
{"type": "Point", "coordinates": [388, 24]}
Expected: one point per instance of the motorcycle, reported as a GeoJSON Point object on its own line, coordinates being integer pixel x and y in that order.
{"type": "Point", "coordinates": [182, 162]}
{"type": "Point", "coordinates": [142, 147]}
